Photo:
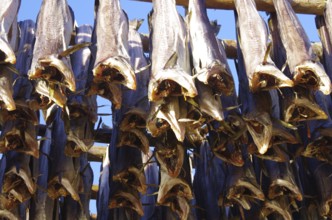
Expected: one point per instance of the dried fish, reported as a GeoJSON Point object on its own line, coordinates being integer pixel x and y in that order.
{"type": "Point", "coordinates": [241, 187]}
{"type": "Point", "coordinates": [170, 70]}
{"type": "Point", "coordinates": [208, 183]}
{"type": "Point", "coordinates": [6, 90]}
{"type": "Point", "coordinates": [307, 71]}
{"type": "Point", "coordinates": [112, 63]}
{"type": "Point", "coordinates": [277, 207]}
{"type": "Point", "coordinates": [253, 40]}
{"type": "Point", "coordinates": [210, 68]}
{"type": "Point", "coordinates": [50, 65]}
{"type": "Point", "coordinates": [8, 30]}
{"type": "Point", "coordinates": [82, 108]}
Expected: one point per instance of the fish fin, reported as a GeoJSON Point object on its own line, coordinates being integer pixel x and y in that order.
{"type": "Point", "coordinates": [136, 23]}
{"type": "Point", "coordinates": [143, 68]}
{"type": "Point", "coordinates": [171, 61]}
{"type": "Point", "coordinates": [267, 52]}
{"type": "Point", "coordinates": [73, 49]}
{"type": "Point", "coordinates": [215, 27]}
{"type": "Point", "coordinates": [284, 66]}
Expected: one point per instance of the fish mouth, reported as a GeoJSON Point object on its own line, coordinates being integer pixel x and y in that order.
{"type": "Point", "coordinates": [242, 192]}
{"type": "Point", "coordinates": [312, 75]}
{"type": "Point", "coordinates": [18, 184]}
{"type": "Point", "coordinates": [218, 78]}
{"type": "Point", "coordinates": [302, 109]}
{"type": "Point", "coordinates": [171, 82]}
{"type": "Point", "coordinates": [116, 70]}
{"type": "Point", "coordinates": [20, 141]}
{"type": "Point", "coordinates": [126, 200]}
{"type": "Point", "coordinates": [7, 55]}
{"type": "Point", "coordinates": [274, 153]}
{"type": "Point", "coordinates": [170, 158]}
{"type": "Point", "coordinates": [170, 187]}
{"type": "Point", "coordinates": [61, 187]}
{"type": "Point", "coordinates": [4, 214]}
{"type": "Point", "coordinates": [49, 93]}
{"type": "Point", "coordinates": [134, 138]}
{"type": "Point", "coordinates": [107, 90]}
{"type": "Point", "coordinates": [282, 136]}
{"type": "Point", "coordinates": [134, 118]}
{"type": "Point", "coordinates": [235, 158]}
{"type": "Point", "coordinates": [54, 71]}
{"type": "Point", "coordinates": [274, 207]}
{"type": "Point", "coordinates": [282, 187]}
{"type": "Point", "coordinates": [259, 125]}
{"type": "Point", "coordinates": [179, 205]}
{"type": "Point", "coordinates": [164, 116]}
{"type": "Point", "coordinates": [268, 77]}
{"type": "Point", "coordinates": [321, 147]}
{"type": "Point", "coordinates": [133, 177]}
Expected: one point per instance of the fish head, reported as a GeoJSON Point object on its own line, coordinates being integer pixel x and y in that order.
{"type": "Point", "coordinates": [281, 135]}
{"type": "Point", "coordinates": [134, 118]}
{"type": "Point", "coordinates": [129, 200]}
{"type": "Point", "coordinates": [116, 70]}
{"type": "Point", "coordinates": [312, 75]}
{"type": "Point", "coordinates": [259, 125]}
{"type": "Point", "coordinates": [170, 158]}
{"type": "Point", "coordinates": [134, 138]}
{"type": "Point", "coordinates": [268, 76]}
{"type": "Point", "coordinates": [133, 177]}
{"type": "Point", "coordinates": [179, 205]}
{"type": "Point", "coordinates": [274, 207]}
{"type": "Point", "coordinates": [321, 147]}
{"type": "Point", "coordinates": [220, 80]}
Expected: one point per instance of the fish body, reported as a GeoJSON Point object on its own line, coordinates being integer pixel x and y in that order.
{"type": "Point", "coordinates": [170, 70]}
{"type": "Point", "coordinates": [112, 63]}
{"type": "Point", "coordinates": [208, 62]}
{"type": "Point", "coordinates": [49, 64]}
{"type": "Point", "coordinates": [8, 30]}
{"type": "Point", "coordinates": [253, 40]}
{"type": "Point", "coordinates": [302, 61]}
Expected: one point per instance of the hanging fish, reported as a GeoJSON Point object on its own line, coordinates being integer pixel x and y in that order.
{"type": "Point", "coordinates": [112, 63]}
{"type": "Point", "coordinates": [50, 65]}
{"type": "Point", "coordinates": [82, 108]}
{"type": "Point", "coordinates": [210, 68]}
{"type": "Point", "coordinates": [306, 70]}
{"type": "Point", "coordinates": [170, 70]}
{"type": "Point", "coordinates": [8, 30]}
{"type": "Point", "coordinates": [253, 40]}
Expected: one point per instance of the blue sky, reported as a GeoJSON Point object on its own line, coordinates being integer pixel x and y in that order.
{"type": "Point", "coordinates": [84, 14]}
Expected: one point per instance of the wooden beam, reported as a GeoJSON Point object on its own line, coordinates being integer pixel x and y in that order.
{"type": "Point", "coordinates": [230, 46]}
{"type": "Point", "coordinates": [94, 192]}
{"type": "Point", "coordinates": [300, 6]}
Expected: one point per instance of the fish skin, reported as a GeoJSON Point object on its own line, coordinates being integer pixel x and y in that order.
{"type": "Point", "coordinates": [6, 89]}
{"type": "Point", "coordinates": [170, 70]}
{"type": "Point", "coordinates": [82, 108]}
{"type": "Point", "coordinates": [111, 30]}
{"type": "Point", "coordinates": [48, 67]}
{"type": "Point", "coordinates": [8, 30]}
{"type": "Point", "coordinates": [253, 40]}
{"type": "Point", "coordinates": [303, 64]}
{"type": "Point", "coordinates": [207, 58]}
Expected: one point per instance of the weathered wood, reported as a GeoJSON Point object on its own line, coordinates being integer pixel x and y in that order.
{"type": "Point", "coordinates": [94, 191]}
{"type": "Point", "coordinates": [299, 6]}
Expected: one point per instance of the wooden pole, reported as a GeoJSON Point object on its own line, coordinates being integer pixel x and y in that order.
{"type": "Point", "coordinates": [300, 6]}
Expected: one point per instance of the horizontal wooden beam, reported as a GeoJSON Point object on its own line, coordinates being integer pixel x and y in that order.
{"type": "Point", "coordinates": [230, 46]}
{"type": "Point", "coordinates": [300, 6]}
{"type": "Point", "coordinates": [94, 192]}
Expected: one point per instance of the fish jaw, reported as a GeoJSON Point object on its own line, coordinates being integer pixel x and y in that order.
{"type": "Point", "coordinates": [117, 70]}
{"type": "Point", "coordinates": [57, 188]}
{"type": "Point", "coordinates": [321, 147]}
{"type": "Point", "coordinates": [267, 77]}
{"type": "Point", "coordinates": [259, 125]}
{"type": "Point", "coordinates": [282, 136]}
{"type": "Point", "coordinates": [133, 177]}
{"type": "Point", "coordinates": [134, 138]}
{"type": "Point", "coordinates": [44, 89]}
{"type": "Point", "coordinates": [134, 118]}
{"type": "Point", "coordinates": [179, 205]}
{"type": "Point", "coordinates": [274, 207]}
{"type": "Point", "coordinates": [218, 79]}
{"type": "Point", "coordinates": [171, 82]}
{"type": "Point", "coordinates": [312, 75]}
{"type": "Point", "coordinates": [49, 62]}
{"type": "Point", "coordinates": [282, 187]}
{"type": "Point", "coordinates": [170, 187]}
{"type": "Point", "coordinates": [107, 90]}
{"type": "Point", "coordinates": [126, 200]}
{"type": "Point", "coordinates": [302, 109]}
{"type": "Point", "coordinates": [167, 155]}
{"type": "Point", "coordinates": [6, 52]}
